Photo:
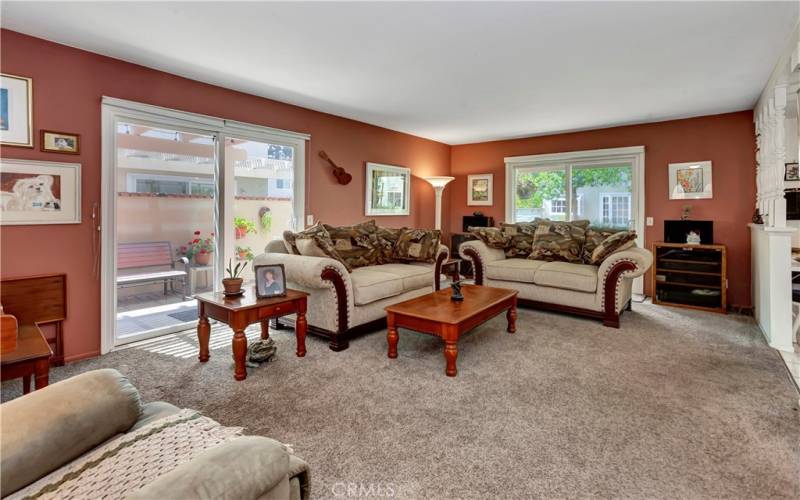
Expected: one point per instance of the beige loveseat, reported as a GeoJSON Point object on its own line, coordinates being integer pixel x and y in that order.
{"type": "Point", "coordinates": [344, 304]}
{"type": "Point", "coordinates": [91, 437]}
{"type": "Point", "coordinates": [601, 292]}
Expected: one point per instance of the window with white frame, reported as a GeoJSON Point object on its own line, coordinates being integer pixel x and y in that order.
{"type": "Point", "coordinates": [616, 209]}
{"type": "Point", "coordinates": [558, 206]}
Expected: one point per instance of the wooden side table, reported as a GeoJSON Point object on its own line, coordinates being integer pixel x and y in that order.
{"type": "Point", "coordinates": [30, 358]}
{"type": "Point", "coordinates": [242, 311]}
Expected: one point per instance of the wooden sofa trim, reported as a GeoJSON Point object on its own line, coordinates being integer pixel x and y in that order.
{"type": "Point", "coordinates": [608, 315]}
{"type": "Point", "coordinates": [340, 339]}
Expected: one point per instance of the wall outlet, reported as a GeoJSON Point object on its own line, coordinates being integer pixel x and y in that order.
{"type": "Point", "coordinates": [309, 220]}
{"type": "Point", "coordinates": [649, 221]}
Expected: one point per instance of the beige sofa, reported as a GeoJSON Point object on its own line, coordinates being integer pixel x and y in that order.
{"type": "Point", "coordinates": [601, 292]}
{"type": "Point", "coordinates": [344, 304]}
{"type": "Point", "coordinates": [67, 427]}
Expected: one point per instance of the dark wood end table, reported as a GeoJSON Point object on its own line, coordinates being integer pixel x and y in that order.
{"type": "Point", "coordinates": [242, 311]}
{"type": "Point", "coordinates": [436, 314]}
{"type": "Point", "coordinates": [30, 358]}
{"type": "Point", "coordinates": [452, 268]}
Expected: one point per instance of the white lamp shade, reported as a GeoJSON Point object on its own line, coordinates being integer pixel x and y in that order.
{"type": "Point", "coordinates": [440, 181]}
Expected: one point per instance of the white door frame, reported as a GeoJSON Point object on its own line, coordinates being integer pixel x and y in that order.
{"type": "Point", "coordinates": [114, 110]}
{"type": "Point", "coordinates": [633, 155]}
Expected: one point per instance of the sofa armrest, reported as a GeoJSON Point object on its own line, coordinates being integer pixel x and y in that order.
{"type": "Point", "coordinates": [442, 254]}
{"type": "Point", "coordinates": [276, 246]}
{"type": "Point", "coordinates": [480, 255]}
{"type": "Point", "coordinates": [626, 264]}
{"type": "Point", "coordinates": [243, 468]}
{"type": "Point", "coordinates": [304, 270]}
{"type": "Point", "coordinates": [50, 427]}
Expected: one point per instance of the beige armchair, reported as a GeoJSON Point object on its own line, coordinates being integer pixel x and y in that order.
{"type": "Point", "coordinates": [344, 304]}
{"type": "Point", "coordinates": [51, 436]}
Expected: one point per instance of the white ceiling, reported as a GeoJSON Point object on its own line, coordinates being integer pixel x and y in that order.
{"type": "Point", "coordinates": [453, 72]}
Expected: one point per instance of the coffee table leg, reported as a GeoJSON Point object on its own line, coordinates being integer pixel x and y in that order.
{"type": "Point", "coordinates": [239, 354]}
{"type": "Point", "coordinates": [511, 316]}
{"type": "Point", "coordinates": [264, 329]}
{"type": "Point", "coordinates": [26, 384]}
{"type": "Point", "coordinates": [450, 356]}
{"type": "Point", "coordinates": [203, 334]}
{"type": "Point", "coordinates": [391, 335]}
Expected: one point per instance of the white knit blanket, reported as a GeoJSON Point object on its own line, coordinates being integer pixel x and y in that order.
{"type": "Point", "coordinates": [130, 461]}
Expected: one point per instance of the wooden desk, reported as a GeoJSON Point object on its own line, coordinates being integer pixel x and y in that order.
{"type": "Point", "coordinates": [242, 311]}
{"type": "Point", "coordinates": [38, 300]}
{"type": "Point", "coordinates": [31, 357]}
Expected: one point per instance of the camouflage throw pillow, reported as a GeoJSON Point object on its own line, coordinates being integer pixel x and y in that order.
{"type": "Point", "coordinates": [492, 236]}
{"type": "Point", "coordinates": [316, 242]}
{"type": "Point", "coordinates": [595, 236]}
{"type": "Point", "coordinates": [617, 242]}
{"type": "Point", "coordinates": [559, 241]}
{"type": "Point", "coordinates": [387, 237]}
{"type": "Point", "coordinates": [520, 238]}
{"type": "Point", "coordinates": [417, 245]}
{"type": "Point", "coordinates": [358, 245]}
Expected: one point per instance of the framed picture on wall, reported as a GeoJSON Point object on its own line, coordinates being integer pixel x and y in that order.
{"type": "Point", "coordinates": [60, 142]}
{"type": "Point", "coordinates": [39, 192]}
{"type": "Point", "coordinates": [16, 111]}
{"type": "Point", "coordinates": [690, 181]}
{"type": "Point", "coordinates": [388, 190]}
{"type": "Point", "coordinates": [479, 189]}
{"type": "Point", "coordinates": [792, 172]}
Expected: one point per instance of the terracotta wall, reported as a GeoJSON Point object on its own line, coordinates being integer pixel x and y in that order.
{"type": "Point", "coordinates": [68, 85]}
{"type": "Point", "coordinates": [727, 140]}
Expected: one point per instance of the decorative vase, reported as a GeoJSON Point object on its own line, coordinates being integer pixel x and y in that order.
{"type": "Point", "coordinates": [241, 232]}
{"type": "Point", "coordinates": [233, 286]}
{"type": "Point", "coordinates": [202, 258]}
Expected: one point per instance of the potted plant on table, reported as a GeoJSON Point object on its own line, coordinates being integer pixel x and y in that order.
{"type": "Point", "coordinates": [233, 283]}
{"type": "Point", "coordinates": [199, 248]}
{"type": "Point", "coordinates": [243, 227]}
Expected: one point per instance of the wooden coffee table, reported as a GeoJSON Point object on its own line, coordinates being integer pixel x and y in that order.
{"type": "Point", "coordinates": [245, 310]}
{"type": "Point", "coordinates": [437, 315]}
{"type": "Point", "coordinates": [30, 358]}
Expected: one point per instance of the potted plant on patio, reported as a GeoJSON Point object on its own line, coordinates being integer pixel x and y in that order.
{"type": "Point", "coordinates": [199, 248]}
{"type": "Point", "coordinates": [243, 226]}
{"type": "Point", "coordinates": [244, 253]}
{"type": "Point", "coordinates": [233, 283]}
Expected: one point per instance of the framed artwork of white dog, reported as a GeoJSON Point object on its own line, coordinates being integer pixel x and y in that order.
{"type": "Point", "coordinates": [39, 192]}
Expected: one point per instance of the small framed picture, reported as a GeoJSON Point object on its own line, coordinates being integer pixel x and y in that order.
{"type": "Point", "coordinates": [60, 142]}
{"type": "Point", "coordinates": [479, 189]}
{"type": "Point", "coordinates": [270, 281]}
{"type": "Point", "coordinates": [792, 172]}
{"type": "Point", "coordinates": [16, 111]}
{"type": "Point", "coordinates": [690, 181]}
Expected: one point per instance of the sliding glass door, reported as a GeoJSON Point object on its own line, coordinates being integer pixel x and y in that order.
{"type": "Point", "coordinates": [184, 194]}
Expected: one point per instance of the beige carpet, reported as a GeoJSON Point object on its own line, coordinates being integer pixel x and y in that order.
{"type": "Point", "coordinates": [675, 404]}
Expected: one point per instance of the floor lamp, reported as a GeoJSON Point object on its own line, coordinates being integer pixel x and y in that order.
{"type": "Point", "coordinates": [438, 184]}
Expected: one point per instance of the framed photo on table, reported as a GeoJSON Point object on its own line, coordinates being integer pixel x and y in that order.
{"type": "Point", "coordinates": [270, 281]}
{"type": "Point", "coordinates": [690, 181]}
{"type": "Point", "coordinates": [16, 111]}
{"type": "Point", "coordinates": [479, 189]}
{"type": "Point", "coordinates": [388, 190]}
{"type": "Point", "coordinates": [39, 192]}
{"type": "Point", "coordinates": [792, 172]}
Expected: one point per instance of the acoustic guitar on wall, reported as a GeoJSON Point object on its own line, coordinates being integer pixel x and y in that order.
{"type": "Point", "coordinates": [342, 177]}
